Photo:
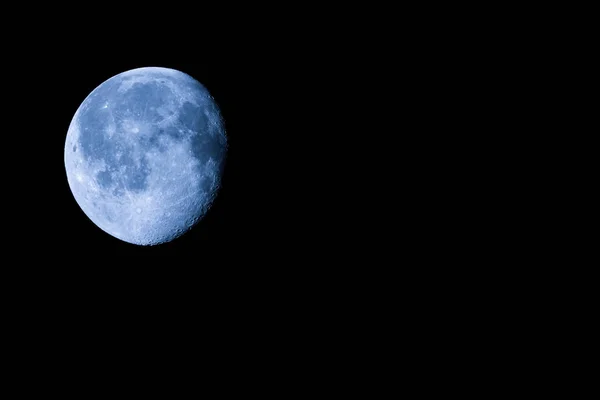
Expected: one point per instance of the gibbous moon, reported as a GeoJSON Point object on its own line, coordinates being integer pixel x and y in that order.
{"type": "Point", "coordinates": [144, 154]}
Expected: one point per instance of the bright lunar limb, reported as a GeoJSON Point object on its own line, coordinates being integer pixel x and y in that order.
{"type": "Point", "coordinates": [144, 154]}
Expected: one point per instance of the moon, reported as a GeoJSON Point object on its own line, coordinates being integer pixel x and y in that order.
{"type": "Point", "coordinates": [144, 154]}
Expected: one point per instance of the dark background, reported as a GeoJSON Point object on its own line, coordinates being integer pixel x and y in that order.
{"type": "Point", "coordinates": [266, 254]}
{"type": "Point", "coordinates": [285, 230]}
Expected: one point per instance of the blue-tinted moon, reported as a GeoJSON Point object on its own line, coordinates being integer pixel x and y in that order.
{"type": "Point", "coordinates": [144, 154]}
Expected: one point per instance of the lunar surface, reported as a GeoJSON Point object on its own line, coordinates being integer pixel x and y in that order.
{"type": "Point", "coordinates": [144, 154]}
